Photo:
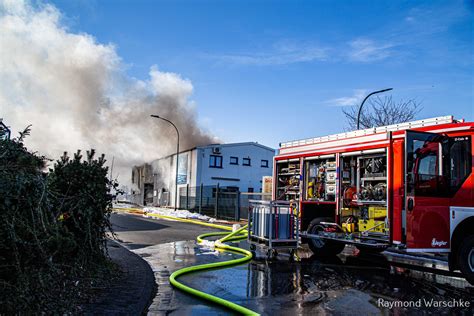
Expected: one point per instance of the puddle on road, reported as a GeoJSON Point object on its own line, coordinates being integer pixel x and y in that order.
{"type": "Point", "coordinates": [346, 284]}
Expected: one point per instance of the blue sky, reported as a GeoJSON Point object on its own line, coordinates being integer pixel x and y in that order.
{"type": "Point", "coordinates": [271, 71]}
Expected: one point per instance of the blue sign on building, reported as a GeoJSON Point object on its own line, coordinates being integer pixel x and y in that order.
{"type": "Point", "coordinates": [183, 168]}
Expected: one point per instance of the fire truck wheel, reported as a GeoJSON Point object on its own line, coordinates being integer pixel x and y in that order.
{"type": "Point", "coordinates": [466, 259]}
{"type": "Point", "coordinates": [321, 247]}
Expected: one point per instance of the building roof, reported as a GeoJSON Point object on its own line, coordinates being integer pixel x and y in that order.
{"type": "Point", "coordinates": [238, 144]}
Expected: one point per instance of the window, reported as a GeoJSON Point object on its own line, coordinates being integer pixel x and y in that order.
{"type": "Point", "coordinates": [264, 164]}
{"type": "Point", "coordinates": [250, 190]}
{"type": "Point", "coordinates": [460, 161]}
{"type": "Point", "coordinates": [215, 161]}
{"type": "Point", "coordinates": [439, 166]}
{"type": "Point", "coordinates": [234, 160]}
{"type": "Point", "coordinates": [427, 165]}
{"type": "Point", "coordinates": [246, 162]}
{"type": "Point", "coordinates": [427, 178]}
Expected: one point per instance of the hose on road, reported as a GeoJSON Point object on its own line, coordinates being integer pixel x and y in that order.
{"type": "Point", "coordinates": [185, 220]}
{"type": "Point", "coordinates": [237, 235]}
{"type": "Point", "coordinates": [219, 245]}
{"type": "Point", "coordinates": [191, 221]}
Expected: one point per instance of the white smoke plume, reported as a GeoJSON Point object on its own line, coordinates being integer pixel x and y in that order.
{"type": "Point", "coordinates": [76, 94]}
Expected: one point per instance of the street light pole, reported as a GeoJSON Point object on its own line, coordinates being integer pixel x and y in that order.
{"type": "Point", "coordinates": [362, 104]}
{"type": "Point", "coordinates": [177, 160]}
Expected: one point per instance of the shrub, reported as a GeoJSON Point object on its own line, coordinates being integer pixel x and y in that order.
{"type": "Point", "coordinates": [81, 197]}
{"type": "Point", "coordinates": [52, 226]}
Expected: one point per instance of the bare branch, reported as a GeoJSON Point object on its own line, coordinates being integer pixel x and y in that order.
{"type": "Point", "coordinates": [381, 111]}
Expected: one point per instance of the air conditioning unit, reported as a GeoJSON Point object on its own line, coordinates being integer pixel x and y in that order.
{"type": "Point", "coordinates": [216, 150]}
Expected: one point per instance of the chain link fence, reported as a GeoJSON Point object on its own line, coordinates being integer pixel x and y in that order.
{"type": "Point", "coordinates": [218, 202]}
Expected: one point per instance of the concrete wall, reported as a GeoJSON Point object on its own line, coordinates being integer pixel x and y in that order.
{"type": "Point", "coordinates": [243, 177]}
{"type": "Point", "coordinates": [164, 170]}
{"type": "Point", "coordinates": [197, 170]}
{"type": "Point", "coordinates": [141, 175]}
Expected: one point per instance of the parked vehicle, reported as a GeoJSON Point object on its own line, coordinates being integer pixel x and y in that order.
{"type": "Point", "coordinates": [408, 186]}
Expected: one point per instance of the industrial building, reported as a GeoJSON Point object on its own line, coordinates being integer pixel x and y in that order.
{"type": "Point", "coordinates": [234, 167]}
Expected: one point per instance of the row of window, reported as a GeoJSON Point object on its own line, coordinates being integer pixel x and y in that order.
{"type": "Point", "coordinates": [216, 161]}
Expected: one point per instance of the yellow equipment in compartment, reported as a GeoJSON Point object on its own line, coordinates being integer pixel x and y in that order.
{"type": "Point", "coordinates": [348, 227]}
{"type": "Point", "coordinates": [376, 221]}
{"type": "Point", "coordinates": [377, 212]}
{"type": "Point", "coordinates": [310, 190]}
{"type": "Point", "coordinates": [372, 226]}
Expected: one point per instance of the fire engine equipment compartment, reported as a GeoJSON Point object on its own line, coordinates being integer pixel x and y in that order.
{"type": "Point", "coordinates": [288, 180]}
{"type": "Point", "coordinates": [321, 180]}
{"type": "Point", "coordinates": [364, 194]}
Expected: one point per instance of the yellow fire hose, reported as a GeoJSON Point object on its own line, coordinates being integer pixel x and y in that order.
{"type": "Point", "coordinates": [191, 221]}
{"type": "Point", "coordinates": [220, 246]}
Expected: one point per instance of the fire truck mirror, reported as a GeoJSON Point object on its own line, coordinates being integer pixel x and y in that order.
{"type": "Point", "coordinates": [410, 204]}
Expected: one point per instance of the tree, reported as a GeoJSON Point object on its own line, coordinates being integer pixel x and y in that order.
{"type": "Point", "coordinates": [381, 111]}
{"type": "Point", "coordinates": [53, 228]}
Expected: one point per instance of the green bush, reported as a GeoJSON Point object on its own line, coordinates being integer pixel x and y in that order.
{"type": "Point", "coordinates": [81, 196]}
{"type": "Point", "coordinates": [52, 226]}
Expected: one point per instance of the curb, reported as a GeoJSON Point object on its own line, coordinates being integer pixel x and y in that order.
{"type": "Point", "coordinates": [133, 293]}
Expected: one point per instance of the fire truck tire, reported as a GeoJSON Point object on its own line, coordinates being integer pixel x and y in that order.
{"type": "Point", "coordinates": [320, 247]}
{"type": "Point", "coordinates": [466, 258]}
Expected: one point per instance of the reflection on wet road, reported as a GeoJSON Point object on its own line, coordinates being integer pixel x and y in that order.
{"type": "Point", "coordinates": [348, 284]}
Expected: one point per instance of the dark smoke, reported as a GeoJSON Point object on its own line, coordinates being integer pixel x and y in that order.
{"type": "Point", "coordinates": [77, 95]}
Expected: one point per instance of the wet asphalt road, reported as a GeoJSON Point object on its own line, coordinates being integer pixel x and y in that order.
{"type": "Point", "coordinates": [349, 284]}
{"type": "Point", "coordinates": [135, 231]}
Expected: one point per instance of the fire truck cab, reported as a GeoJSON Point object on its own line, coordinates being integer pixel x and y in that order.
{"type": "Point", "coordinates": [409, 186]}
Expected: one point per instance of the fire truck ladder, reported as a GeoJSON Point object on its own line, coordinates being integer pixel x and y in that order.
{"type": "Point", "coordinates": [370, 131]}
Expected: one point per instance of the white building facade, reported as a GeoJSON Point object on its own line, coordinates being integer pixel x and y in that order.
{"type": "Point", "coordinates": [234, 167]}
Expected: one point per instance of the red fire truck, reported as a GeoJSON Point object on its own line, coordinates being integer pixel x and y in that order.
{"type": "Point", "coordinates": [408, 186]}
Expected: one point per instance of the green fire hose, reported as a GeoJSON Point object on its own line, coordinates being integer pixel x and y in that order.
{"type": "Point", "coordinates": [220, 246]}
